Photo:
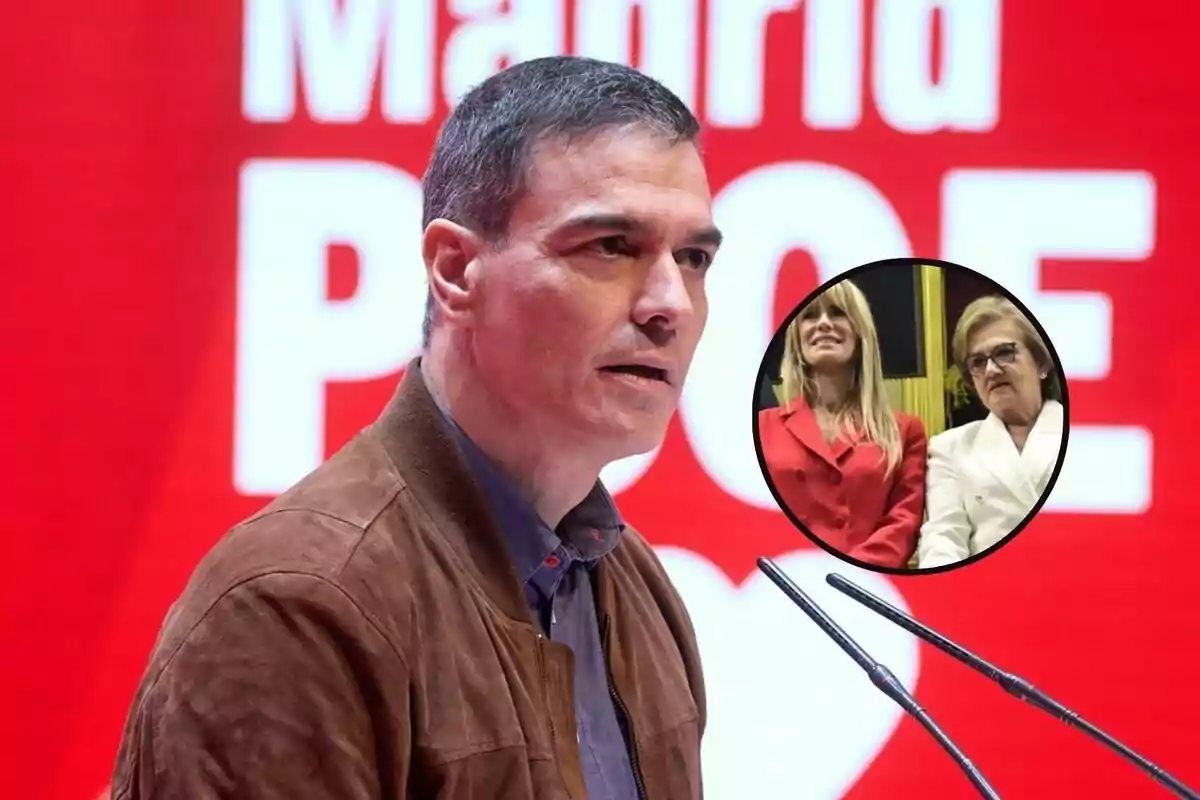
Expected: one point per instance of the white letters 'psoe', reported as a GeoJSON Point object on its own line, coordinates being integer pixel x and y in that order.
{"type": "Point", "coordinates": [291, 340]}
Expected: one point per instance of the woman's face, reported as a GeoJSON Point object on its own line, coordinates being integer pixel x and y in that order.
{"type": "Point", "coordinates": [1005, 374]}
{"type": "Point", "coordinates": [827, 338]}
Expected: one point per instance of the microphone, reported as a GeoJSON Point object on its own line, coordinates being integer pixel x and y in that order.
{"type": "Point", "coordinates": [880, 675]}
{"type": "Point", "coordinates": [1012, 684]}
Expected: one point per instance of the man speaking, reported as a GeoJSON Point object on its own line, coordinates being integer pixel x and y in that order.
{"type": "Point", "coordinates": [451, 606]}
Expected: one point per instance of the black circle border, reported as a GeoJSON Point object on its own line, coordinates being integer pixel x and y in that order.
{"type": "Point", "coordinates": [1033, 512]}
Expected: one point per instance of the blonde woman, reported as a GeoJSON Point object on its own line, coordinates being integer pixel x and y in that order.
{"type": "Point", "coordinates": [985, 477]}
{"type": "Point", "coordinates": [849, 468]}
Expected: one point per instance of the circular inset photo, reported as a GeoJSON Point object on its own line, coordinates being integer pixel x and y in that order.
{"type": "Point", "coordinates": [911, 415]}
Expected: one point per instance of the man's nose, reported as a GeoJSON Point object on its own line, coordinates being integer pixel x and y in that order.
{"type": "Point", "coordinates": [664, 299]}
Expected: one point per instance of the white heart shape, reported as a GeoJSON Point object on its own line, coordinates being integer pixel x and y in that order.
{"type": "Point", "coordinates": [790, 715]}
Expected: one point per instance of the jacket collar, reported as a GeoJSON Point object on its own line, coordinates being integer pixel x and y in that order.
{"type": "Point", "coordinates": [801, 422]}
{"type": "Point", "coordinates": [1025, 473]}
{"type": "Point", "coordinates": [422, 447]}
{"type": "Point", "coordinates": [429, 455]}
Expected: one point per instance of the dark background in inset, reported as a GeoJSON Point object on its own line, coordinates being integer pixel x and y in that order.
{"type": "Point", "coordinates": [894, 294]}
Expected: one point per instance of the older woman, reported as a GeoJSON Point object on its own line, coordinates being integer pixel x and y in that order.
{"type": "Point", "coordinates": [849, 468]}
{"type": "Point", "coordinates": [985, 477]}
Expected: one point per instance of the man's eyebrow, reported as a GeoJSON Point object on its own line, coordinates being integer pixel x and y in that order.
{"type": "Point", "coordinates": [607, 222]}
{"type": "Point", "coordinates": [708, 236]}
{"type": "Point", "coordinates": [623, 224]}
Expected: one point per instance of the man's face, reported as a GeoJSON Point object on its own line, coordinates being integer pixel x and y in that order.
{"type": "Point", "coordinates": [588, 314]}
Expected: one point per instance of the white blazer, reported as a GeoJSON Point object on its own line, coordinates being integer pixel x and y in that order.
{"type": "Point", "coordinates": [979, 487]}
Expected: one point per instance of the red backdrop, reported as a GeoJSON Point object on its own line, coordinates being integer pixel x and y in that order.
{"type": "Point", "coordinates": [211, 277]}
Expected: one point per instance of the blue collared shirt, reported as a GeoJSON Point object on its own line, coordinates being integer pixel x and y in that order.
{"type": "Point", "coordinates": [555, 567]}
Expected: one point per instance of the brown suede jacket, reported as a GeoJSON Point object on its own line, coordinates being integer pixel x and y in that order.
{"type": "Point", "coordinates": [366, 636]}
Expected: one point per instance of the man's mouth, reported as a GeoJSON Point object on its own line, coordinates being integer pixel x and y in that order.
{"type": "Point", "coordinates": [638, 371]}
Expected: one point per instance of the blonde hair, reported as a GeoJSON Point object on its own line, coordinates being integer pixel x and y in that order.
{"type": "Point", "coordinates": [867, 414]}
{"type": "Point", "coordinates": [989, 309]}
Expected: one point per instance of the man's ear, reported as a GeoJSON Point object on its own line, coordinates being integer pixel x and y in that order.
{"type": "Point", "coordinates": [449, 251]}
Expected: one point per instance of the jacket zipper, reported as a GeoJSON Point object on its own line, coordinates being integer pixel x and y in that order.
{"type": "Point", "coordinates": [623, 719]}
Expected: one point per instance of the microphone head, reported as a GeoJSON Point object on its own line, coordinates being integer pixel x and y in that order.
{"type": "Point", "coordinates": [835, 580]}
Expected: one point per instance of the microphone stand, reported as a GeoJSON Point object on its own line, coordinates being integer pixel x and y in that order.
{"type": "Point", "coordinates": [1013, 684]}
{"type": "Point", "coordinates": [880, 675]}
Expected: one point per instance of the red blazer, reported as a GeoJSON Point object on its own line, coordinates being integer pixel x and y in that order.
{"type": "Point", "coordinates": [839, 491]}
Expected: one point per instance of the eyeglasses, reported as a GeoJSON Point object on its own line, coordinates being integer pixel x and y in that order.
{"type": "Point", "coordinates": [1003, 354]}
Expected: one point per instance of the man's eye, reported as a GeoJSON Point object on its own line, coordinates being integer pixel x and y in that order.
{"type": "Point", "coordinates": [697, 258]}
{"type": "Point", "coordinates": [612, 246]}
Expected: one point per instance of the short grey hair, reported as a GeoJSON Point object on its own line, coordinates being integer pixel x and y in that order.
{"type": "Point", "coordinates": [984, 311]}
{"type": "Point", "coordinates": [481, 161]}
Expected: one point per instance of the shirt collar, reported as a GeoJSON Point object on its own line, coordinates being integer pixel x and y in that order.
{"type": "Point", "coordinates": [589, 531]}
